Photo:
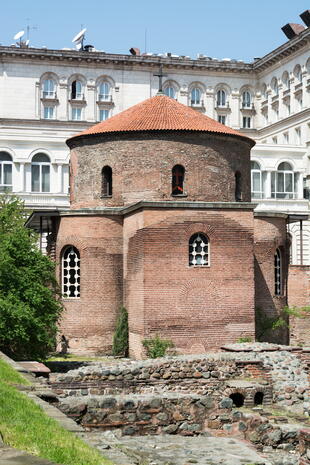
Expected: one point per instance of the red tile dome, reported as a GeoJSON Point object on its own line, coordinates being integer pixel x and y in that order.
{"type": "Point", "coordinates": [159, 113]}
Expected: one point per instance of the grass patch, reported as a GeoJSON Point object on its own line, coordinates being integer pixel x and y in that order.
{"type": "Point", "coordinates": [10, 376]}
{"type": "Point", "coordinates": [25, 426]}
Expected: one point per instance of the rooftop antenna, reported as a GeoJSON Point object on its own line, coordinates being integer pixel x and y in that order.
{"type": "Point", "coordinates": [18, 36]}
{"type": "Point", "coordinates": [160, 75]}
{"type": "Point", "coordinates": [145, 40]}
{"type": "Point", "coordinates": [29, 28]}
{"type": "Point", "coordinates": [78, 40]}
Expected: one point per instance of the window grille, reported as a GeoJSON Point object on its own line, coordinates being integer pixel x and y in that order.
{"type": "Point", "coordinates": [199, 250]}
{"type": "Point", "coordinates": [71, 272]}
{"type": "Point", "coordinates": [283, 182]}
{"type": "Point", "coordinates": [49, 89]}
{"type": "Point", "coordinates": [195, 96]}
{"type": "Point", "coordinates": [104, 91]}
{"type": "Point", "coordinates": [178, 180]}
{"type": "Point", "coordinates": [221, 98]}
{"type": "Point", "coordinates": [40, 173]}
{"type": "Point", "coordinates": [277, 273]}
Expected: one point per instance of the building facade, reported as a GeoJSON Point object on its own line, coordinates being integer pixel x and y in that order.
{"type": "Point", "coordinates": [47, 96]}
{"type": "Point", "coordinates": [167, 229]}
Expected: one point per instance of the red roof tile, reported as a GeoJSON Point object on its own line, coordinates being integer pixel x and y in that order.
{"type": "Point", "coordinates": [160, 113]}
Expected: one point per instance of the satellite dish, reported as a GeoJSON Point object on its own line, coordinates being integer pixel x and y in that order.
{"type": "Point", "coordinates": [79, 36]}
{"type": "Point", "coordinates": [27, 42]}
{"type": "Point", "coordinates": [19, 35]}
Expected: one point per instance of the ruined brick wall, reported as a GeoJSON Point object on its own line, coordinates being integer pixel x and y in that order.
{"type": "Point", "coordinates": [299, 296]}
{"type": "Point", "coordinates": [199, 308]}
{"type": "Point", "coordinates": [89, 321]}
{"type": "Point", "coordinates": [142, 164]}
{"type": "Point", "coordinates": [269, 234]}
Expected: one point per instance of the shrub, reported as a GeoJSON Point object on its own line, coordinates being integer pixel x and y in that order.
{"type": "Point", "coordinates": [120, 339]}
{"type": "Point", "coordinates": [156, 347]}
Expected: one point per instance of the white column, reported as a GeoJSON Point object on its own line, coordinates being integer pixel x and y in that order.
{"type": "Point", "coordinates": [21, 177]}
{"type": "Point", "coordinates": [90, 110]}
{"type": "Point", "coordinates": [234, 120]}
{"type": "Point", "coordinates": [268, 185]}
{"type": "Point", "coordinates": [210, 104]}
{"type": "Point", "coordinates": [59, 178]}
{"type": "Point", "coordinates": [62, 94]}
{"type": "Point", "coordinates": [27, 185]}
{"type": "Point", "coordinates": [300, 185]}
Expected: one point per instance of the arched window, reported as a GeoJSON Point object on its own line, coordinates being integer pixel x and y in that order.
{"type": "Point", "coordinates": [238, 186]}
{"type": "Point", "coordinates": [178, 172]}
{"type": "Point", "coordinates": [77, 90]}
{"type": "Point", "coordinates": [246, 99]}
{"type": "Point", "coordinates": [49, 88]}
{"type": "Point", "coordinates": [170, 91]}
{"type": "Point", "coordinates": [274, 86]}
{"type": "Point", "coordinates": [264, 91]}
{"type": "Point", "coordinates": [297, 73]}
{"type": "Point", "coordinates": [106, 181]}
{"type": "Point", "coordinates": [104, 92]}
{"type": "Point", "coordinates": [286, 80]}
{"type": "Point", "coordinates": [71, 272]}
{"type": "Point", "coordinates": [283, 182]}
{"type": "Point", "coordinates": [278, 272]}
{"type": "Point", "coordinates": [199, 250]}
{"type": "Point", "coordinates": [40, 173]}
{"type": "Point", "coordinates": [221, 98]}
{"type": "Point", "coordinates": [256, 181]}
{"type": "Point", "coordinates": [5, 172]}
{"type": "Point", "coordinates": [195, 96]}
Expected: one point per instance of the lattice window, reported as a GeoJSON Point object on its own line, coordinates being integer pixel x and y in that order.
{"type": "Point", "coordinates": [199, 250]}
{"type": "Point", "coordinates": [277, 273]}
{"type": "Point", "coordinates": [71, 272]}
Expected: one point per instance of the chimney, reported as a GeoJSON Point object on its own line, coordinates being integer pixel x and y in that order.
{"type": "Point", "coordinates": [135, 51]}
{"type": "Point", "coordinates": [305, 16]}
{"type": "Point", "coordinates": [292, 30]}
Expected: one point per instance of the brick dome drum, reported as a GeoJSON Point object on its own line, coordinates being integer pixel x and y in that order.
{"type": "Point", "coordinates": [142, 145]}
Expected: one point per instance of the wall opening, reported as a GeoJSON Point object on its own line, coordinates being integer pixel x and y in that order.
{"type": "Point", "coordinates": [259, 398]}
{"type": "Point", "coordinates": [238, 399]}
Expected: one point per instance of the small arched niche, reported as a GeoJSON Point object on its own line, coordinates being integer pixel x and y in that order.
{"type": "Point", "coordinates": [238, 399]}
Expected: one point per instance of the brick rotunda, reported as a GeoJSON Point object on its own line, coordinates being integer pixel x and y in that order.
{"type": "Point", "coordinates": [161, 221]}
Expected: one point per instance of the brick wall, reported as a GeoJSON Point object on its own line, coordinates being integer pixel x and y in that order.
{"type": "Point", "coordinates": [89, 321]}
{"type": "Point", "coordinates": [269, 234]}
{"type": "Point", "coordinates": [199, 308]}
{"type": "Point", "coordinates": [142, 164]}
{"type": "Point", "coordinates": [299, 296]}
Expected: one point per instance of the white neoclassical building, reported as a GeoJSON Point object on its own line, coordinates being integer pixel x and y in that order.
{"type": "Point", "coordinates": [46, 96]}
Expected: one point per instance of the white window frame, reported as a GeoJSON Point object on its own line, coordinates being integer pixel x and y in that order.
{"type": "Point", "coordinates": [6, 187]}
{"type": "Point", "coordinates": [205, 250]}
{"type": "Point", "coordinates": [65, 276]}
{"type": "Point", "coordinates": [221, 119]}
{"type": "Point", "coordinates": [246, 99]}
{"type": "Point", "coordinates": [104, 92]}
{"type": "Point", "coordinates": [246, 122]}
{"type": "Point", "coordinates": [196, 96]}
{"type": "Point", "coordinates": [221, 98]}
{"type": "Point", "coordinates": [105, 110]}
{"type": "Point", "coordinates": [255, 171]}
{"type": "Point", "coordinates": [170, 90]}
{"type": "Point", "coordinates": [275, 178]}
{"type": "Point", "coordinates": [46, 112]}
{"type": "Point", "coordinates": [41, 164]}
{"type": "Point", "coordinates": [74, 112]}
{"type": "Point", "coordinates": [49, 89]}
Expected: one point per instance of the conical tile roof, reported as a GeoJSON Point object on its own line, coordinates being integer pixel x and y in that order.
{"type": "Point", "coordinates": [159, 113]}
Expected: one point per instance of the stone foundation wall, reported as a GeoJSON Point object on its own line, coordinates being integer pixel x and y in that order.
{"type": "Point", "coordinates": [204, 375]}
{"type": "Point", "coordinates": [304, 447]}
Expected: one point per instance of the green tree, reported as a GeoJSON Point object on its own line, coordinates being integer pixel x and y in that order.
{"type": "Point", "coordinates": [30, 304]}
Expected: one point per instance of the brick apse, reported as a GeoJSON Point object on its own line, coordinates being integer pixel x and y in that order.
{"type": "Point", "coordinates": [161, 221]}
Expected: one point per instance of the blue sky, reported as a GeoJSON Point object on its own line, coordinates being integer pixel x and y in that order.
{"type": "Point", "coordinates": [237, 29]}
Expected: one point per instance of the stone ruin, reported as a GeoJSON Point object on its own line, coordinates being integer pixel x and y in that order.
{"type": "Point", "coordinates": [256, 392]}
